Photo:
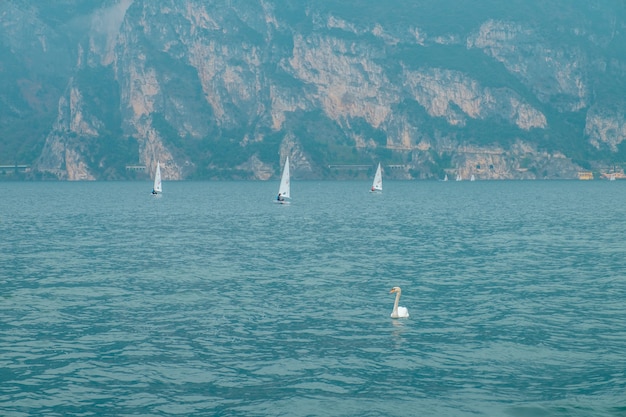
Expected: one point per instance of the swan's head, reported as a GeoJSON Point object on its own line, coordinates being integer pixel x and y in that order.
{"type": "Point", "coordinates": [395, 289]}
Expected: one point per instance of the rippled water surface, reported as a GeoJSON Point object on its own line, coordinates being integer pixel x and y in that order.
{"type": "Point", "coordinates": [213, 300]}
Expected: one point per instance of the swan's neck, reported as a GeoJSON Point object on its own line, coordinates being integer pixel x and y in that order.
{"type": "Point", "coordinates": [395, 304]}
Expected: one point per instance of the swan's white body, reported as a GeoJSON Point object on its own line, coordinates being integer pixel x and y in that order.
{"type": "Point", "coordinates": [398, 312]}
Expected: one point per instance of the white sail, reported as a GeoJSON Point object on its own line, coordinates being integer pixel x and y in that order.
{"type": "Point", "coordinates": [157, 180]}
{"type": "Point", "coordinates": [377, 185]}
{"type": "Point", "coordinates": [284, 191]}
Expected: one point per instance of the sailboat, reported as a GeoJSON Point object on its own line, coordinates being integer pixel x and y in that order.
{"type": "Point", "coordinates": [377, 185]}
{"type": "Point", "coordinates": [284, 190]}
{"type": "Point", "coordinates": [157, 189]}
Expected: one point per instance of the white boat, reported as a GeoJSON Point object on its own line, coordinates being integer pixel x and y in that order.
{"type": "Point", "coordinates": [472, 178]}
{"type": "Point", "coordinates": [157, 189]}
{"type": "Point", "coordinates": [445, 178]}
{"type": "Point", "coordinates": [458, 177]}
{"type": "Point", "coordinates": [284, 190]}
{"type": "Point", "coordinates": [377, 185]}
{"type": "Point", "coordinates": [612, 177]}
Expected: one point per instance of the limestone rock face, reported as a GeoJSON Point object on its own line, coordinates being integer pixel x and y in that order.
{"type": "Point", "coordinates": [606, 127]}
{"type": "Point", "coordinates": [526, 54]}
{"type": "Point", "coordinates": [216, 89]}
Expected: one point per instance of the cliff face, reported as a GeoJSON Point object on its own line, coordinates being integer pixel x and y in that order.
{"type": "Point", "coordinates": [215, 89]}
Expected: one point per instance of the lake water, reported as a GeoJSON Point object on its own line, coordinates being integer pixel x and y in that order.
{"type": "Point", "coordinates": [213, 300]}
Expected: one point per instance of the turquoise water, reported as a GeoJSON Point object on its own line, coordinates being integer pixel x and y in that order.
{"type": "Point", "coordinates": [213, 300]}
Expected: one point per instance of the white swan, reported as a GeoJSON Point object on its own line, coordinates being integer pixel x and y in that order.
{"type": "Point", "coordinates": [398, 312]}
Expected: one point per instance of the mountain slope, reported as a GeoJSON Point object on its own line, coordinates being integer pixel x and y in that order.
{"type": "Point", "coordinates": [522, 89]}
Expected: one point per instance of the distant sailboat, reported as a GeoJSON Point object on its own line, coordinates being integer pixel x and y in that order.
{"type": "Point", "coordinates": [472, 178]}
{"type": "Point", "coordinates": [157, 189]}
{"type": "Point", "coordinates": [458, 177]}
{"type": "Point", "coordinates": [445, 178]}
{"type": "Point", "coordinates": [284, 190]}
{"type": "Point", "coordinates": [377, 185]}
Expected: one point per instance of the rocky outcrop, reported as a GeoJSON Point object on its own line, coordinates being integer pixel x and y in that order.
{"type": "Point", "coordinates": [456, 97]}
{"type": "Point", "coordinates": [555, 73]}
{"type": "Point", "coordinates": [606, 127]}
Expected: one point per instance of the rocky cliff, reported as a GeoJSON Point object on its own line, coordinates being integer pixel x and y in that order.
{"type": "Point", "coordinates": [228, 89]}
